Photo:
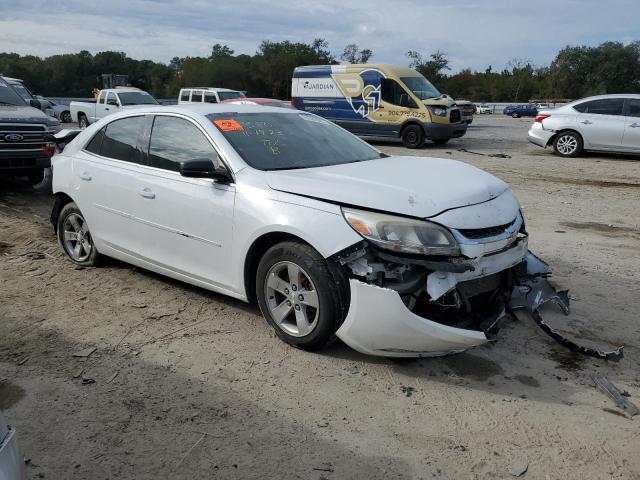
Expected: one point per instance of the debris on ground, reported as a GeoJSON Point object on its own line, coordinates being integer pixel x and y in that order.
{"type": "Point", "coordinates": [612, 391]}
{"type": "Point", "coordinates": [85, 352]}
{"type": "Point", "coordinates": [88, 381]}
{"type": "Point", "coordinates": [79, 372]}
{"type": "Point", "coordinates": [112, 377]}
{"type": "Point", "coordinates": [23, 361]}
{"type": "Point", "coordinates": [408, 391]}
{"type": "Point", "coordinates": [519, 468]}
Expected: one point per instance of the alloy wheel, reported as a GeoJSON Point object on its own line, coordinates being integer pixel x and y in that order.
{"type": "Point", "coordinates": [567, 144]}
{"type": "Point", "coordinates": [292, 299]}
{"type": "Point", "coordinates": [76, 238]}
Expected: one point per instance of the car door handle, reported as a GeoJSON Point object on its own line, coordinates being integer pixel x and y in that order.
{"type": "Point", "coordinates": [146, 193]}
{"type": "Point", "coordinates": [85, 176]}
{"type": "Point", "coordinates": [635, 125]}
{"type": "Point", "coordinates": [106, 108]}
{"type": "Point", "coordinates": [586, 122]}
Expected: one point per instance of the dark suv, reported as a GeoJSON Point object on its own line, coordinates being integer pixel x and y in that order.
{"type": "Point", "coordinates": [25, 131]}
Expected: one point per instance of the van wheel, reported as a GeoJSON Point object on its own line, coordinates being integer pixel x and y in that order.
{"type": "Point", "coordinates": [412, 136]}
{"type": "Point", "coordinates": [568, 144]}
{"type": "Point", "coordinates": [83, 122]}
{"type": "Point", "coordinates": [298, 295]}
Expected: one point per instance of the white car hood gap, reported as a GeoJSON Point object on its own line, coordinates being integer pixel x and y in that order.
{"type": "Point", "coordinates": [416, 186]}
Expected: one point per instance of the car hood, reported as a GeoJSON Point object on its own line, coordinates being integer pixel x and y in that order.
{"type": "Point", "coordinates": [22, 114]}
{"type": "Point", "coordinates": [416, 186]}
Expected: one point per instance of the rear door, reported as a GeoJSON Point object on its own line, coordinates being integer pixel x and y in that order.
{"type": "Point", "coordinates": [186, 222]}
{"type": "Point", "coordinates": [106, 173]}
{"type": "Point", "coordinates": [601, 122]}
{"type": "Point", "coordinates": [631, 136]}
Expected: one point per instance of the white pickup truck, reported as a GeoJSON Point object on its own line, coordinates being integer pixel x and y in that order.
{"type": "Point", "coordinates": [109, 101]}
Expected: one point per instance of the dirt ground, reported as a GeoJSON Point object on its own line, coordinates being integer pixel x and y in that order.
{"type": "Point", "coordinates": [190, 384]}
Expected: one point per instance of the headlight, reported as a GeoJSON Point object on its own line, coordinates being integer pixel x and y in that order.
{"type": "Point", "coordinates": [402, 234]}
{"type": "Point", "coordinates": [439, 111]}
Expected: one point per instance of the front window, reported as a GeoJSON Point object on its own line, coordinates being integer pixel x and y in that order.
{"type": "Point", "coordinates": [290, 140]}
{"type": "Point", "coordinates": [8, 96]}
{"type": "Point", "coordinates": [137, 98]}
{"type": "Point", "coordinates": [230, 95]}
{"type": "Point", "coordinates": [421, 87]}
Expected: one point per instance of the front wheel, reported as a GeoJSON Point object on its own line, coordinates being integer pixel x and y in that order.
{"type": "Point", "coordinates": [568, 144]}
{"type": "Point", "coordinates": [298, 295]}
{"type": "Point", "coordinates": [75, 238]}
{"type": "Point", "coordinates": [83, 122]}
{"type": "Point", "coordinates": [413, 136]}
{"type": "Point", "coordinates": [515, 115]}
{"type": "Point", "coordinates": [65, 117]}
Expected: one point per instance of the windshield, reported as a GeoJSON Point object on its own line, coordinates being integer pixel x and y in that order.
{"type": "Point", "coordinates": [137, 98]}
{"type": "Point", "coordinates": [421, 87]}
{"type": "Point", "coordinates": [229, 95]}
{"type": "Point", "coordinates": [283, 141]}
{"type": "Point", "coordinates": [22, 91]}
{"type": "Point", "coordinates": [8, 96]}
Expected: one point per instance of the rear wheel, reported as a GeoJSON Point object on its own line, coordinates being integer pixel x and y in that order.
{"type": "Point", "coordinates": [75, 238]}
{"type": "Point", "coordinates": [413, 136]}
{"type": "Point", "coordinates": [568, 144]}
{"type": "Point", "coordinates": [65, 117]}
{"type": "Point", "coordinates": [298, 296]}
{"type": "Point", "coordinates": [515, 115]}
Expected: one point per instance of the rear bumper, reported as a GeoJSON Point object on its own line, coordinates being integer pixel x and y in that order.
{"type": "Point", "coordinates": [11, 461]}
{"type": "Point", "coordinates": [444, 131]}
{"type": "Point", "coordinates": [539, 136]}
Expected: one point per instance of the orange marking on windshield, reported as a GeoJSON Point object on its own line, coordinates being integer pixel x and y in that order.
{"type": "Point", "coordinates": [228, 125]}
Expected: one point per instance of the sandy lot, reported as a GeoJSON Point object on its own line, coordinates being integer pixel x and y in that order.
{"type": "Point", "coordinates": [190, 384]}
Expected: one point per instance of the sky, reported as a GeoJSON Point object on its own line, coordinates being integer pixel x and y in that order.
{"type": "Point", "coordinates": [473, 33]}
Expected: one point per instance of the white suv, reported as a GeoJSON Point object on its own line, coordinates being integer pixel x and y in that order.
{"type": "Point", "coordinates": [208, 95]}
{"type": "Point", "coordinates": [607, 123]}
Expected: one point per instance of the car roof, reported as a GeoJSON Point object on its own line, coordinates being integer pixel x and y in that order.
{"type": "Point", "coordinates": [610, 95]}
{"type": "Point", "coordinates": [202, 109]}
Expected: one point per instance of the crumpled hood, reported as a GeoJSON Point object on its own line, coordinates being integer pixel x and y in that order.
{"type": "Point", "coordinates": [416, 186]}
{"type": "Point", "coordinates": [22, 114]}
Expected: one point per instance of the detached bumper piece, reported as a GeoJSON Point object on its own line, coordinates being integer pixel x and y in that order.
{"type": "Point", "coordinates": [381, 323]}
{"type": "Point", "coordinates": [534, 291]}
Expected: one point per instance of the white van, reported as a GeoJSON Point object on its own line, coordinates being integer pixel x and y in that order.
{"type": "Point", "coordinates": [207, 95]}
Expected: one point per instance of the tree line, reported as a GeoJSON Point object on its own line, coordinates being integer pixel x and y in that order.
{"type": "Point", "coordinates": [576, 71]}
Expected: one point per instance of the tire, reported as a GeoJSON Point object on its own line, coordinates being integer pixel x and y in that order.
{"type": "Point", "coordinates": [65, 117]}
{"type": "Point", "coordinates": [83, 121]}
{"type": "Point", "coordinates": [302, 319]}
{"type": "Point", "coordinates": [413, 136]}
{"type": "Point", "coordinates": [441, 141]}
{"type": "Point", "coordinates": [71, 221]}
{"type": "Point", "coordinates": [515, 115]}
{"type": "Point", "coordinates": [568, 144]}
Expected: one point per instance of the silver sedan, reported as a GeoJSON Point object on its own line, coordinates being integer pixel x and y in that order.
{"type": "Point", "coordinates": [605, 123]}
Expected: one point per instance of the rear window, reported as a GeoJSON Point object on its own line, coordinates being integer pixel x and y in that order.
{"type": "Point", "coordinates": [120, 139]}
{"type": "Point", "coordinates": [283, 141]}
{"type": "Point", "coordinates": [136, 98]}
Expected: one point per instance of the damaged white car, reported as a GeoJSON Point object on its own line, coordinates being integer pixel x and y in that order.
{"type": "Point", "coordinates": [396, 256]}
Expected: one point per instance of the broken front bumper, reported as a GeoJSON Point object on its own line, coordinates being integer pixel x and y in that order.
{"type": "Point", "coordinates": [379, 323]}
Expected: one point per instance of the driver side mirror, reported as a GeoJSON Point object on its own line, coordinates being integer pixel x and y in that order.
{"type": "Point", "coordinates": [35, 103]}
{"type": "Point", "coordinates": [205, 168]}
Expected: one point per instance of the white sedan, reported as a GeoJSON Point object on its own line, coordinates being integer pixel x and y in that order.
{"type": "Point", "coordinates": [397, 256]}
{"type": "Point", "coordinates": [605, 123]}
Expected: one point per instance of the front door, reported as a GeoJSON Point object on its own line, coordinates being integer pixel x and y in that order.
{"type": "Point", "coordinates": [187, 222]}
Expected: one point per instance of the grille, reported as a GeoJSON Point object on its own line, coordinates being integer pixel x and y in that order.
{"type": "Point", "coordinates": [454, 116]}
{"type": "Point", "coordinates": [33, 137]}
{"type": "Point", "coordinates": [475, 233]}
